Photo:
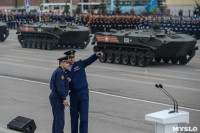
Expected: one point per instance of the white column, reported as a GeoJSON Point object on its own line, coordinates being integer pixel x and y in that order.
{"type": "Point", "coordinates": [71, 7]}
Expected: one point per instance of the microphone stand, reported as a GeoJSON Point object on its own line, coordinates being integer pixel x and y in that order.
{"type": "Point", "coordinates": [170, 96]}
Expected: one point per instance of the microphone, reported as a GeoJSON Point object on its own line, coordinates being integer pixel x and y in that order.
{"type": "Point", "coordinates": [170, 96]}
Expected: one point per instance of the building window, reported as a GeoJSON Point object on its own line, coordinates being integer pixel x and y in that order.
{"type": "Point", "coordinates": [132, 2]}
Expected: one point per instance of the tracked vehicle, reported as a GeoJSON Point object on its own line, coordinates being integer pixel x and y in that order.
{"type": "Point", "coordinates": [4, 32]}
{"type": "Point", "coordinates": [141, 47]}
{"type": "Point", "coordinates": [53, 35]}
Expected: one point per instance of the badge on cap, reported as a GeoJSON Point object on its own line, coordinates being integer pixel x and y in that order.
{"type": "Point", "coordinates": [62, 77]}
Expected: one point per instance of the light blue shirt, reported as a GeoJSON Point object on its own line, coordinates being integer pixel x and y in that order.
{"type": "Point", "coordinates": [70, 68]}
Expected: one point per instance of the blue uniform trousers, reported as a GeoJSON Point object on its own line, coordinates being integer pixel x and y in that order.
{"type": "Point", "coordinates": [58, 113]}
{"type": "Point", "coordinates": [79, 102]}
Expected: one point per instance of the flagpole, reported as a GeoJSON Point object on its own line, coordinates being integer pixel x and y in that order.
{"type": "Point", "coordinates": [90, 18]}
{"type": "Point", "coordinates": [155, 13]}
{"type": "Point", "coordinates": [70, 7]}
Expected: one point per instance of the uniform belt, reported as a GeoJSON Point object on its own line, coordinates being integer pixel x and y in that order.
{"type": "Point", "coordinates": [55, 91]}
{"type": "Point", "coordinates": [78, 90]}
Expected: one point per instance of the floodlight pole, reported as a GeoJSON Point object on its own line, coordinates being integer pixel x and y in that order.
{"type": "Point", "coordinates": [71, 7]}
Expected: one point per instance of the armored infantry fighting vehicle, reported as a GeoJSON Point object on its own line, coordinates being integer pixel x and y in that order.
{"type": "Point", "coordinates": [4, 32]}
{"type": "Point", "coordinates": [140, 47]}
{"type": "Point", "coordinates": [53, 35]}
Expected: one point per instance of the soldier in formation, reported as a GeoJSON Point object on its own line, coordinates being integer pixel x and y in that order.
{"type": "Point", "coordinates": [103, 23]}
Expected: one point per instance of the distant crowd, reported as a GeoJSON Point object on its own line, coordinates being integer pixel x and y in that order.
{"type": "Point", "coordinates": [102, 23]}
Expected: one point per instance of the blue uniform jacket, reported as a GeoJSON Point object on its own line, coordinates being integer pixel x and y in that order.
{"type": "Point", "coordinates": [59, 83]}
{"type": "Point", "coordinates": [78, 75]}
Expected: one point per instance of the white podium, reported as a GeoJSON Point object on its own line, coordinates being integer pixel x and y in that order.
{"type": "Point", "coordinates": [164, 122]}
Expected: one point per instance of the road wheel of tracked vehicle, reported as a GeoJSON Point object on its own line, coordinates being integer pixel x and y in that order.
{"type": "Point", "coordinates": [141, 61]}
{"type": "Point", "coordinates": [34, 44]}
{"type": "Point", "coordinates": [58, 45]}
{"type": "Point", "coordinates": [80, 46]}
{"type": "Point", "coordinates": [95, 49]}
{"type": "Point", "coordinates": [174, 60]}
{"type": "Point", "coordinates": [157, 59]}
{"type": "Point", "coordinates": [3, 38]}
{"type": "Point", "coordinates": [39, 44]}
{"type": "Point", "coordinates": [29, 44]}
{"type": "Point", "coordinates": [103, 58]}
{"type": "Point", "coordinates": [68, 45]}
{"type": "Point", "coordinates": [84, 45]}
{"type": "Point", "coordinates": [64, 46]}
{"type": "Point", "coordinates": [118, 58]}
{"type": "Point", "coordinates": [49, 45]}
{"type": "Point", "coordinates": [125, 59]}
{"type": "Point", "coordinates": [20, 38]}
{"type": "Point", "coordinates": [24, 44]}
{"type": "Point", "coordinates": [74, 45]}
{"type": "Point", "coordinates": [44, 45]}
{"type": "Point", "coordinates": [182, 60]}
{"type": "Point", "coordinates": [133, 60]}
{"type": "Point", "coordinates": [110, 58]}
{"type": "Point", "coordinates": [166, 60]}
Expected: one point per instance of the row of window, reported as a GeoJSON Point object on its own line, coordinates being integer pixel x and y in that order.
{"type": "Point", "coordinates": [130, 2]}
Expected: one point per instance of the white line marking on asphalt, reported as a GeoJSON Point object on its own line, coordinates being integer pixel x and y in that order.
{"type": "Point", "coordinates": [22, 51]}
{"type": "Point", "coordinates": [142, 82]}
{"type": "Point", "coordinates": [10, 59]}
{"type": "Point", "coordinates": [107, 77]}
{"type": "Point", "coordinates": [26, 80]}
{"type": "Point", "coordinates": [131, 71]}
{"type": "Point", "coordinates": [13, 40]}
{"type": "Point", "coordinates": [27, 66]}
{"type": "Point", "coordinates": [106, 94]}
{"type": "Point", "coordinates": [120, 70]}
{"type": "Point", "coordinates": [147, 73]}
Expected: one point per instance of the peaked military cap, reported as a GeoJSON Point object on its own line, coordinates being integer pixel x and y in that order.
{"type": "Point", "coordinates": [70, 53]}
{"type": "Point", "coordinates": [65, 59]}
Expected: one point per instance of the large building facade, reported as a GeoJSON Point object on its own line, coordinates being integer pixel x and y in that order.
{"type": "Point", "coordinates": [13, 3]}
{"type": "Point", "coordinates": [171, 7]}
{"type": "Point", "coordinates": [10, 4]}
{"type": "Point", "coordinates": [127, 5]}
{"type": "Point", "coordinates": [187, 7]}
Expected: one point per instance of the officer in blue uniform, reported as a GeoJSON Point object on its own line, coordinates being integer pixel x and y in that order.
{"type": "Point", "coordinates": [79, 92]}
{"type": "Point", "coordinates": [59, 86]}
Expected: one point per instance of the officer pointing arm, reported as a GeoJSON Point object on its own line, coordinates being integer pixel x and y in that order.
{"type": "Point", "coordinates": [92, 58]}
{"type": "Point", "coordinates": [79, 91]}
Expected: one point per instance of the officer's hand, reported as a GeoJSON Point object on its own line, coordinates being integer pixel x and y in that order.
{"type": "Point", "coordinates": [69, 79]}
{"type": "Point", "coordinates": [100, 53]}
{"type": "Point", "coordinates": [65, 102]}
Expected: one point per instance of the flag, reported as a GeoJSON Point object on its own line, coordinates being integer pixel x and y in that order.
{"type": "Point", "coordinates": [151, 6]}
{"type": "Point", "coordinates": [39, 11]}
{"type": "Point", "coordinates": [6, 11]}
{"type": "Point", "coordinates": [28, 6]}
{"type": "Point", "coordinates": [90, 19]}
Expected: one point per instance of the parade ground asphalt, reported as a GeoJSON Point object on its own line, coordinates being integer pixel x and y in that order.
{"type": "Point", "coordinates": [120, 95]}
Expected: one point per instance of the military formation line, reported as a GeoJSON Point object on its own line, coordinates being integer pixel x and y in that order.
{"type": "Point", "coordinates": [102, 23]}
